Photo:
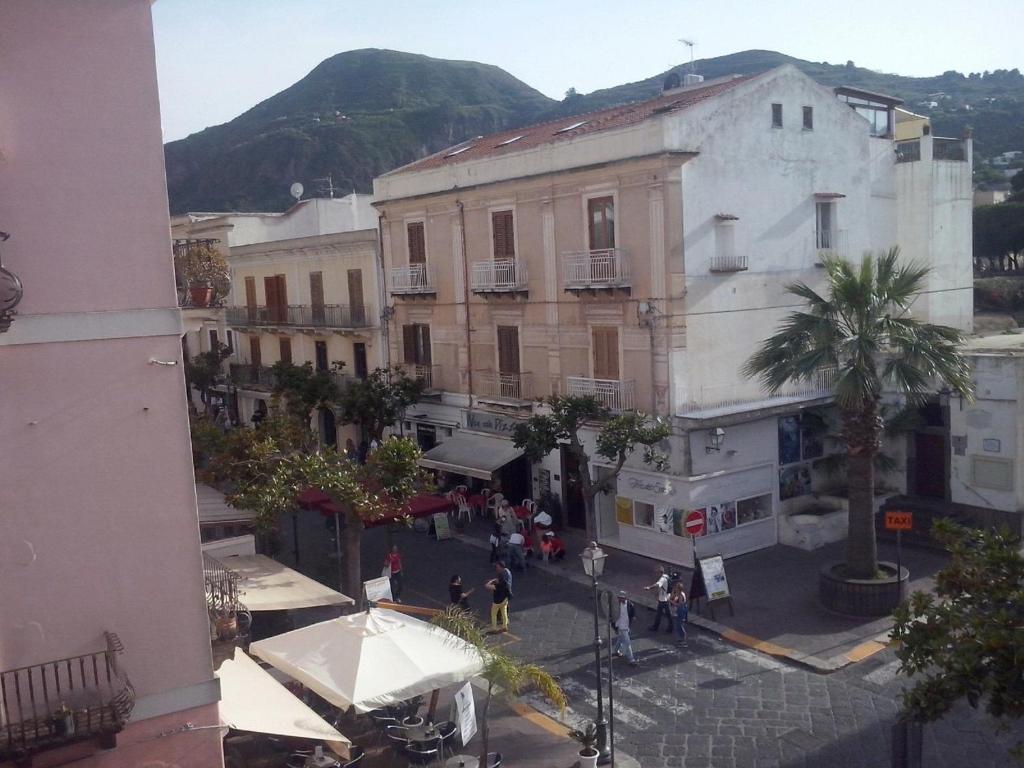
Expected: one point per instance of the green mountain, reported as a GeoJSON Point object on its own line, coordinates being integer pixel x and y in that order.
{"type": "Point", "coordinates": [355, 116]}
{"type": "Point", "coordinates": [362, 113]}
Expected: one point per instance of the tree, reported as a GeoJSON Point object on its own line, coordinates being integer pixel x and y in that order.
{"type": "Point", "coordinates": [616, 441]}
{"type": "Point", "coordinates": [999, 235]}
{"type": "Point", "coordinates": [201, 371]}
{"type": "Point", "coordinates": [862, 328]}
{"type": "Point", "coordinates": [504, 673]}
{"type": "Point", "coordinates": [381, 488]}
{"type": "Point", "coordinates": [965, 640]}
{"type": "Point", "coordinates": [305, 390]}
{"type": "Point", "coordinates": [1017, 188]}
{"type": "Point", "coordinates": [378, 401]}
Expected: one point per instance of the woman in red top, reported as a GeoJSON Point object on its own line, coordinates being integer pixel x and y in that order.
{"type": "Point", "coordinates": [394, 561]}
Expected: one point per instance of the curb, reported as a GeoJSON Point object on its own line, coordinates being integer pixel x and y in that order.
{"type": "Point", "coordinates": [817, 664]}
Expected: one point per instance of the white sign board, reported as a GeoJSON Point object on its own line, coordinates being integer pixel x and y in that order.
{"type": "Point", "coordinates": [715, 582]}
{"type": "Point", "coordinates": [378, 589]}
{"type": "Point", "coordinates": [464, 713]}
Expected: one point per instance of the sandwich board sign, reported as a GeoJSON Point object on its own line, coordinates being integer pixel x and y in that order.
{"type": "Point", "coordinates": [378, 589]}
{"type": "Point", "coordinates": [441, 528]}
{"type": "Point", "coordinates": [463, 713]}
{"type": "Point", "coordinates": [715, 583]}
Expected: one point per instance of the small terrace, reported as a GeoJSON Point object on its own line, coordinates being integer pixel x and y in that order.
{"type": "Point", "coordinates": [513, 388]}
{"type": "Point", "coordinates": [425, 372]}
{"type": "Point", "coordinates": [728, 263]}
{"type": "Point", "coordinates": [500, 276]}
{"type": "Point", "coordinates": [615, 395]}
{"type": "Point", "coordinates": [931, 148]}
{"type": "Point", "coordinates": [416, 279]}
{"type": "Point", "coordinates": [592, 270]}
{"type": "Point", "coordinates": [56, 703]}
{"type": "Point", "coordinates": [339, 316]}
{"type": "Point", "coordinates": [248, 375]}
{"type": "Point", "coordinates": [726, 399]}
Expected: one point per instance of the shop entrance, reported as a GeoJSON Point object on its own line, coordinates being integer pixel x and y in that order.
{"type": "Point", "coordinates": [929, 469]}
{"type": "Point", "coordinates": [572, 491]}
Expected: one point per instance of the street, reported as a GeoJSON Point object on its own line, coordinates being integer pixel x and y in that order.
{"type": "Point", "coordinates": [711, 704]}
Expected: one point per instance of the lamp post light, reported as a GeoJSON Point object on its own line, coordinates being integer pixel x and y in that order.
{"type": "Point", "coordinates": [593, 558]}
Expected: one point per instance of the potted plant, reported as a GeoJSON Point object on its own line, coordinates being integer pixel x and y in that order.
{"type": "Point", "coordinates": [587, 738]}
{"type": "Point", "coordinates": [205, 273]}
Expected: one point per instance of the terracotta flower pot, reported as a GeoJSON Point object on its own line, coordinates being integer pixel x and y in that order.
{"type": "Point", "coordinates": [200, 294]}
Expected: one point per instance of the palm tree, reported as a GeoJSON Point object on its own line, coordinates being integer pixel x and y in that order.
{"type": "Point", "coordinates": [863, 329]}
{"type": "Point", "coordinates": [504, 674]}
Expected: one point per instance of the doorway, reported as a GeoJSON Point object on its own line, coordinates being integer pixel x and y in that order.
{"type": "Point", "coordinates": [929, 470]}
{"type": "Point", "coordinates": [328, 428]}
{"type": "Point", "coordinates": [359, 352]}
{"type": "Point", "coordinates": [572, 491]}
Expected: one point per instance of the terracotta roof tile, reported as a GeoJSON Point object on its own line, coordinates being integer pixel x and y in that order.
{"type": "Point", "coordinates": [566, 128]}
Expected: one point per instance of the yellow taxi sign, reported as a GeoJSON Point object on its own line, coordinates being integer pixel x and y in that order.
{"type": "Point", "coordinates": [899, 521]}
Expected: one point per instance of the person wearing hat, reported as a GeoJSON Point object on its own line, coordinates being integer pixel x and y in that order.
{"type": "Point", "coordinates": [622, 621]}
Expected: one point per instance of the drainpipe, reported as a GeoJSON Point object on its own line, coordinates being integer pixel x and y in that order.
{"type": "Point", "coordinates": [465, 298]}
{"type": "Point", "coordinates": [385, 314]}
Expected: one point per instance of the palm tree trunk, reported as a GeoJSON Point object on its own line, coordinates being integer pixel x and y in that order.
{"type": "Point", "coordinates": [863, 432]}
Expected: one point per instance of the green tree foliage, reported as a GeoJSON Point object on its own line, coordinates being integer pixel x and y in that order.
{"type": "Point", "coordinates": [1017, 188]}
{"type": "Point", "coordinates": [201, 371]}
{"type": "Point", "coordinates": [862, 327]}
{"type": "Point", "coordinates": [379, 400]}
{"type": "Point", "coordinates": [304, 390]}
{"type": "Point", "coordinates": [999, 236]}
{"type": "Point", "coordinates": [505, 674]}
{"type": "Point", "coordinates": [967, 640]}
{"type": "Point", "coordinates": [617, 439]}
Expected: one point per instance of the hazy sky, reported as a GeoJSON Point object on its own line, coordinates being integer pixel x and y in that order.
{"type": "Point", "coordinates": [217, 58]}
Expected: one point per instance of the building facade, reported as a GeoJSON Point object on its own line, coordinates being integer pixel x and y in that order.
{"type": "Point", "coordinates": [640, 254]}
{"type": "Point", "coordinates": [105, 653]}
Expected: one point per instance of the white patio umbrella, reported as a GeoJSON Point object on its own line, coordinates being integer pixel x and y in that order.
{"type": "Point", "coordinates": [372, 659]}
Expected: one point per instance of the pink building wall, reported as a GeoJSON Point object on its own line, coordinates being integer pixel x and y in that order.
{"type": "Point", "coordinates": [98, 523]}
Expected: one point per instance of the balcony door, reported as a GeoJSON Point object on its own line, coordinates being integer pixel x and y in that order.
{"type": "Point", "coordinates": [601, 221]}
{"type": "Point", "coordinates": [276, 290]}
{"type": "Point", "coordinates": [255, 354]}
{"type": "Point", "coordinates": [250, 299]}
{"type": "Point", "coordinates": [416, 343]}
{"type": "Point", "coordinates": [508, 361]}
{"type": "Point", "coordinates": [825, 225]}
{"type": "Point", "coordinates": [316, 297]}
{"type": "Point", "coordinates": [355, 296]}
{"type": "Point", "coordinates": [605, 341]}
{"type": "Point", "coordinates": [321, 355]}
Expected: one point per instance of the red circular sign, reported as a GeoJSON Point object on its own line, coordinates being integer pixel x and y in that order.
{"type": "Point", "coordinates": [695, 523]}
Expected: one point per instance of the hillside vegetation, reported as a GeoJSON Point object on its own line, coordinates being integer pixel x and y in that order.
{"type": "Point", "coordinates": [362, 113]}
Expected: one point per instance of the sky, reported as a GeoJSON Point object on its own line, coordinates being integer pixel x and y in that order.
{"type": "Point", "coordinates": [218, 58]}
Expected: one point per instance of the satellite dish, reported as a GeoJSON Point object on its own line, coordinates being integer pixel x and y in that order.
{"type": "Point", "coordinates": [296, 190]}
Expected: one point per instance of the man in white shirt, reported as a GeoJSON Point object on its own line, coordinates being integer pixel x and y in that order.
{"type": "Point", "coordinates": [516, 555]}
{"type": "Point", "coordinates": [662, 586]}
{"type": "Point", "coordinates": [621, 621]}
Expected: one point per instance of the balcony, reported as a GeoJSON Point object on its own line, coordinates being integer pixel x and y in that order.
{"type": "Point", "coordinates": [303, 316]}
{"type": "Point", "coordinates": [949, 149]}
{"type": "Point", "coordinates": [908, 151]}
{"type": "Point", "coordinates": [931, 148]}
{"type": "Point", "coordinates": [252, 376]}
{"type": "Point", "coordinates": [502, 276]}
{"type": "Point", "coordinates": [728, 263]}
{"type": "Point", "coordinates": [424, 372]}
{"type": "Point", "coordinates": [591, 270]}
{"type": "Point", "coordinates": [50, 705]}
{"type": "Point", "coordinates": [498, 387]}
{"type": "Point", "coordinates": [732, 398]}
{"type": "Point", "coordinates": [615, 395]}
{"type": "Point", "coordinates": [416, 279]}
{"type": "Point", "coordinates": [831, 242]}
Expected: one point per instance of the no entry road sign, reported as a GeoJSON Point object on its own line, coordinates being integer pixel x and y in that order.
{"type": "Point", "coordinates": [899, 521]}
{"type": "Point", "coordinates": [695, 523]}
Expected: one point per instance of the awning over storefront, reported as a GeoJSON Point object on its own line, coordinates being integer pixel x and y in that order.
{"type": "Point", "coordinates": [266, 585]}
{"type": "Point", "coordinates": [252, 700]}
{"type": "Point", "coordinates": [471, 454]}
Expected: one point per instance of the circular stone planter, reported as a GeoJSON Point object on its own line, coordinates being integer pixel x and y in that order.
{"type": "Point", "coordinates": [861, 597]}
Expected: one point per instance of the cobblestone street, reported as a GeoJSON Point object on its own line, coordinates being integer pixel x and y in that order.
{"type": "Point", "coordinates": [711, 704]}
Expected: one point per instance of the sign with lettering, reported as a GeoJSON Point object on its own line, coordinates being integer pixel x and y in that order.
{"type": "Point", "coordinates": [899, 521]}
{"type": "Point", "coordinates": [491, 422]}
{"type": "Point", "coordinates": [377, 589]}
{"type": "Point", "coordinates": [659, 490]}
{"type": "Point", "coordinates": [713, 569]}
{"type": "Point", "coordinates": [441, 528]}
{"type": "Point", "coordinates": [464, 713]}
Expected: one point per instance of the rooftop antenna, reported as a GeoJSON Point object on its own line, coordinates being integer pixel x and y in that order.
{"type": "Point", "coordinates": [326, 186]}
{"type": "Point", "coordinates": [296, 190]}
{"type": "Point", "coordinates": [689, 44]}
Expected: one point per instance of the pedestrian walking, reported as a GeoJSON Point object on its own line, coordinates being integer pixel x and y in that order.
{"type": "Point", "coordinates": [495, 543]}
{"type": "Point", "coordinates": [351, 452]}
{"type": "Point", "coordinates": [663, 591]}
{"type": "Point", "coordinates": [680, 611]}
{"type": "Point", "coordinates": [516, 553]}
{"type": "Point", "coordinates": [501, 592]}
{"type": "Point", "coordinates": [393, 562]}
{"type": "Point", "coordinates": [457, 596]}
{"type": "Point", "coordinates": [622, 621]}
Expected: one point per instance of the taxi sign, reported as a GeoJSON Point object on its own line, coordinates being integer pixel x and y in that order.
{"type": "Point", "coordinates": [899, 521]}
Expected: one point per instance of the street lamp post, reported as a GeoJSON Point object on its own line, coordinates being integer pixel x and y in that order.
{"type": "Point", "coordinates": [593, 558]}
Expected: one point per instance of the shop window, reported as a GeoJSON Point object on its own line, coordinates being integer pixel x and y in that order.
{"type": "Point", "coordinates": [754, 509]}
{"type": "Point", "coordinates": [624, 510]}
{"type": "Point", "coordinates": [643, 514]}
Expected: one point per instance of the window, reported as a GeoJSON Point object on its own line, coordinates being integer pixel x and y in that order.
{"type": "Point", "coordinates": [808, 118]}
{"type": "Point", "coordinates": [214, 341]}
{"type": "Point", "coordinates": [285, 346]}
{"type": "Point", "coordinates": [316, 296]}
{"type": "Point", "coordinates": [506, 142]}
{"type": "Point", "coordinates": [255, 354]}
{"type": "Point", "coordinates": [643, 514]}
{"type": "Point", "coordinates": [355, 296]}
{"type": "Point", "coordinates": [416, 344]}
{"type": "Point", "coordinates": [231, 341]}
{"type": "Point", "coordinates": [825, 229]}
{"type": "Point", "coordinates": [276, 291]}
{"type": "Point", "coordinates": [606, 352]}
{"type": "Point", "coordinates": [417, 243]}
{"type": "Point", "coordinates": [508, 349]}
{"type": "Point", "coordinates": [250, 298]}
{"type": "Point", "coordinates": [601, 222]}
{"type": "Point", "coordinates": [359, 352]}
{"type": "Point", "coordinates": [321, 355]}
{"type": "Point", "coordinates": [571, 127]}
{"type": "Point", "coordinates": [504, 237]}
{"type": "Point", "coordinates": [776, 115]}
{"type": "Point", "coordinates": [751, 510]}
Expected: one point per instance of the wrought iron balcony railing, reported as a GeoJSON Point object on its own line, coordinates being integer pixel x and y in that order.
{"type": "Point", "coordinates": [505, 386]}
{"type": "Point", "coordinates": [416, 278]}
{"type": "Point", "coordinates": [606, 268]}
{"type": "Point", "coordinates": [499, 276]}
{"type": "Point", "coordinates": [425, 372]}
{"type": "Point", "coordinates": [728, 263]}
{"type": "Point", "coordinates": [615, 395]}
{"type": "Point", "coordinates": [949, 149]}
{"type": "Point", "coordinates": [246, 374]}
{"type": "Point", "coordinates": [303, 316]}
{"type": "Point", "coordinates": [831, 241]}
{"type": "Point", "coordinates": [49, 705]}
{"type": "Point", "coordinates": [908, 151]}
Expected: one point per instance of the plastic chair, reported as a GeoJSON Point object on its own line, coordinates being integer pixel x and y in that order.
{"type": "Point", "coordinates": [355, 756]}
{"type": "Point", "coordinates": [493, 504]}
{"type": "Point", "coordinates": [446, 732]}
{"type": "Point", "coordinates": [398, 735]}
{"type": "Point", "coordinates": [463, 489]}
{"type": "Point", "coordinates": [463, 513]}
{"type": "Point", "coordinates": [494, 760]}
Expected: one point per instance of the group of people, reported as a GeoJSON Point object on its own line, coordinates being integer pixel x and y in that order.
{"type": "Point", "coordinates": [500, 588]}
{"type": "Point", "coordinates": [672, 604]}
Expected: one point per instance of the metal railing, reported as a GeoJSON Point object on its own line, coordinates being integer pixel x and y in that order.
{"type": "Point", "coordinates": [304, 315]}
{"type": "Point", "coordinates": [416, 278]}
{"type": "Point", "coordinates": [508, 386]}
{"type": "Point", "coordinates": [499, 275]}
{"type": "Point", "coordinates": [615, 395]}
{"type": "Point", "coordinates": [423, 372]}
{"type": "Point", "coordinates": [221, 585]}
{"type": "Point", "coordinates": [949, 149]}
{"type": "Point", "coordinates": [728, 263]}
{"type": "Point", "coordinates": [908, 151]}
{"type": "Point", "coordinates": [48, 705]}
{"type": "Point", "coordinates": [830, 240]}
{"type": "Point", "coordinates": [252, 375]}
{"type": "Point", "coordinates": [821, 384]}
{"type": "Point", "coordinates": [607, 268]}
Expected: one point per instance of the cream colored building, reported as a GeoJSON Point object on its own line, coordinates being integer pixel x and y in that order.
{"type": "Point", "coordinates": [304, 288]}
{"type": "Point", "coordinates": [640, 254]}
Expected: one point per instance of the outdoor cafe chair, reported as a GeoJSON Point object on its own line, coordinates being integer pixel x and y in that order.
{"type": "Point", "coordinates": [398, 735]}
{"type": "Point", "coordinates": [422, 752]}
{"type": "Point", "coordinates": [464, 513]}
{"type": "Point", "coordinates": [355, 756]}
{"type": "Point", "coordinates": [446, 731]}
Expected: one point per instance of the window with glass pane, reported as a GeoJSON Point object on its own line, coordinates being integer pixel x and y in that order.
{"type": "Point", "coordinates": [601, 214]}
{"type": "Point", "coordinates": [776, 115]}
{"type": "Point", "coordinates": [808, 118]}
{"type": "Point", "coordinates": [752, 510]}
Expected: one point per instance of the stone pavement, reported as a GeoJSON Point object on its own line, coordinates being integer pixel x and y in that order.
{"type": "Point", "coordinates": [711, 705]}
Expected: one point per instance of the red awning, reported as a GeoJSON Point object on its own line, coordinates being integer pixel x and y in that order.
{"type": "Point", "coordinates": [423, 505]}
{"type": "Point", "coordinates": [311, 498]}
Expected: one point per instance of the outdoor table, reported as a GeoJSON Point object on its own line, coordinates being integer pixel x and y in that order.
{"type": "Point", "coordinates": [462, 761]}
{"type": "Point", "coordinates": [324, 761]}
{"type": "Point", "coordinates": [425, 732]}
{"type": "Point", "coordinates": [478, 502]}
